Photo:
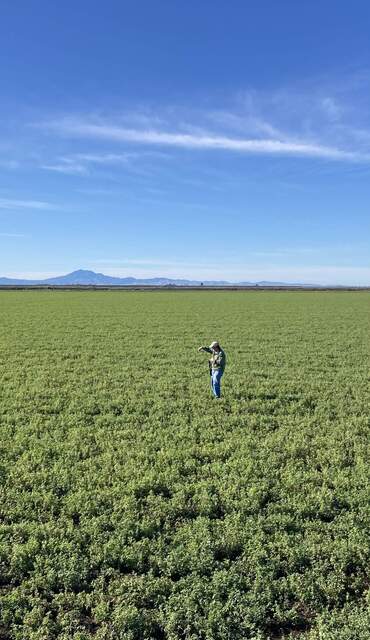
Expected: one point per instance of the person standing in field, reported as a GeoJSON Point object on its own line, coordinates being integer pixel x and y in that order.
{"type": "Point", "coordinates": [217, 363]}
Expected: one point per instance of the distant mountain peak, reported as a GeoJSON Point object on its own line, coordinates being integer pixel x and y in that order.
{"type": "Point", "coordinates": [79, 272]}
{"type": "Point", "coordinates": [84, 273]}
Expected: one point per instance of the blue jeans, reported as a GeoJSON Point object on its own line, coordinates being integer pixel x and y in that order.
{"type": "Point", "coordinates": [216, 376]}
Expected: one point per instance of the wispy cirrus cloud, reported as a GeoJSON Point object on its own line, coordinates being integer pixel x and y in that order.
{"type": "Point", "coordinates": [81, 163]}
{"type": "Point", "coordinates": [246, 123]}
{"type": "Point", "coordinates": [12, 235]}
{"type": "Point", "coordinates": [105, 158]}
{"type": "Point", "coordinates": [68, 167]}
{"type": "Point", "coordinates": [320, 119]}
{"type": "Point", "coordinates": [37, 205]}
{"type": "Point", "coordinates": [152, 137]}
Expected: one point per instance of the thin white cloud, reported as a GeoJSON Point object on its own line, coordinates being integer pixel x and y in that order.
{"type": "Point", "coordinates": [152, 137]}
{"type": "Point", "coordinates": [80, 163]}
{"type": "Point", "coordinates": [12, 235]}
{"type": "Point", "coordinates": [104, 158]}
{"type": "Point", "coordinates": [246, 123]}
{"type": "Point", "coordinates": [10, 204]}
{"type": "Point", "coordinates": [68, 169]}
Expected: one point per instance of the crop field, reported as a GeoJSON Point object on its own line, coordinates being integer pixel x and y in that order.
{"type": "Point", "coordinates": [133, 506]}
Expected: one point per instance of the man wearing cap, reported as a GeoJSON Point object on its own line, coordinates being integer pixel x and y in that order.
{"type": "Point", "coordinates": [217, 363]}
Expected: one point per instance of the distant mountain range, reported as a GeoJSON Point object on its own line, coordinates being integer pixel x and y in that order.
{"type": "Point", "coordinates": [85, 277]}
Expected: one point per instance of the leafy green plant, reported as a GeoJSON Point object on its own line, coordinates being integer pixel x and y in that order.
{"type": "Point", "coordinates": [134, 506]}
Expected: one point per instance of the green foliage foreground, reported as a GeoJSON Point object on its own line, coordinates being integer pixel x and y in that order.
{"type": "Point", "coordinates": [133, 506]}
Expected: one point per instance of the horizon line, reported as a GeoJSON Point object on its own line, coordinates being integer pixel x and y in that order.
{"type": "Point", "coordinates": [23, 281]}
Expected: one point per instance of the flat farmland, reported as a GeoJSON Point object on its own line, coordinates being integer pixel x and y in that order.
{"type": "Point", "coordinates": [133, 506]}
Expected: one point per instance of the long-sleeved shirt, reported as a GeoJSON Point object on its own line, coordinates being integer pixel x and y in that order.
{"type": "Point", "coordinates": [217, 359]}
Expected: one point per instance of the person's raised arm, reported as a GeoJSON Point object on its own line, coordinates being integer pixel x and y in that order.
{"type": "Point", "coordinates": [207, 349]}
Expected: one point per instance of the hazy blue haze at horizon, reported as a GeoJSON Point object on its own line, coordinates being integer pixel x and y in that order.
{"type": "Point", "coordinates": [118, 125]}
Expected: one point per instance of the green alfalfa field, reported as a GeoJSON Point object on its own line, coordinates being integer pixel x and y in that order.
{"type": "Point", "coordinates": [136, 507]}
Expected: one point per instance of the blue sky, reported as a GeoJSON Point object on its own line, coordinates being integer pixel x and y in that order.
{"type": "Point", "coordinates": [187, 139]}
